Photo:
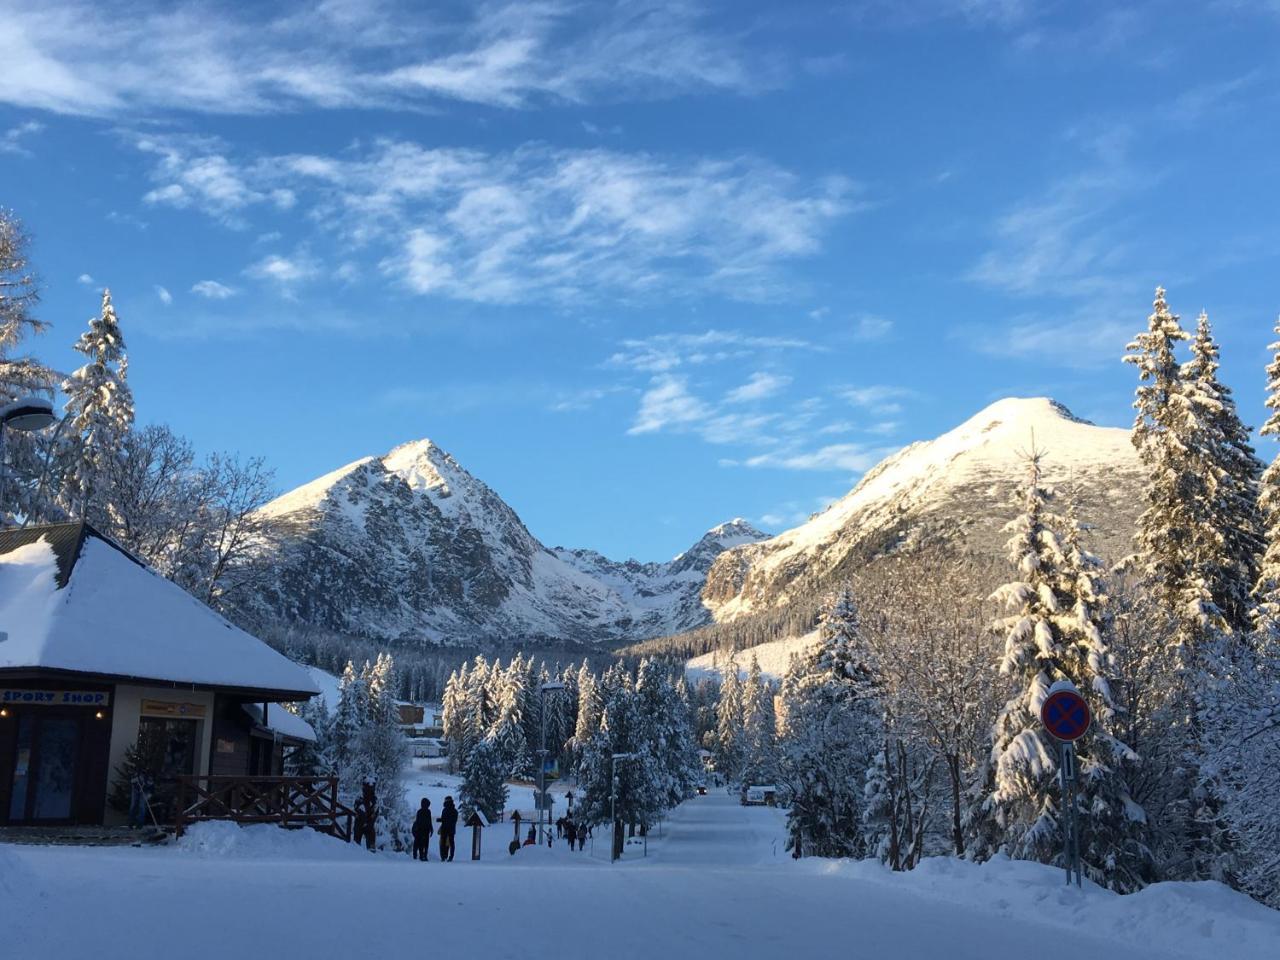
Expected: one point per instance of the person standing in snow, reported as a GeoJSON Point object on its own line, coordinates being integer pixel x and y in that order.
{"type": "Point", "coordinates": [583, 832]}
{"type": "Point", "coordinates": [570, 832]}
{"type": "Point", "coordinates": [422, 830]}
{"type": "Point", "coordinates": [366, 810]}
{"type": "Point", "coordinates": [140, 787]}
{"type": "Point", "coordinates": [448, 826]}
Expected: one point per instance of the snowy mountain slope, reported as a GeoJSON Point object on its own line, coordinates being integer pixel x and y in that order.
{"type": "Point", "coordinates": [774, 658]}
{"type": "Point", "coordinates": [410, 546]}
{"type": "Point", "coordinates": [956, 487]}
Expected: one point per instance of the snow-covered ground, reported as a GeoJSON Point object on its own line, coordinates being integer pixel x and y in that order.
{"type": "Point", "coordinates": [717, 883]}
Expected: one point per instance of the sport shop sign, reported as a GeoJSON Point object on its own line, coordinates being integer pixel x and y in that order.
{"type": "Point", "coordinates": [55, 698]}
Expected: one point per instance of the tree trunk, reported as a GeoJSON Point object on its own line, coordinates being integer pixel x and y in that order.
{"type": "Point", "coordinates": [957, 833]}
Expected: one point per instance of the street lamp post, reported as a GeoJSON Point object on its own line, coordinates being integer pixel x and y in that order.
{"type": "Point", "coordinates": [26, 414]}
{"type": "Point", "coordinates": [614, 851]}
{"type": "Point", "coordinates": [551, 686]}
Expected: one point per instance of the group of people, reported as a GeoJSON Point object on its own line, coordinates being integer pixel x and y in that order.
{"type": "Point", "coordinates": [566, 829]}
{"type": "Point", "coordinates": [423, 827]}
{"type": "Point", "coordinates": [573, 832]}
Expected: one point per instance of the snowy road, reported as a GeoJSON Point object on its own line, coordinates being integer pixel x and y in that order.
{"type": "Point", "coordinates": [716, 830]}
{"type": "Point", "coordinates": [716, 884]}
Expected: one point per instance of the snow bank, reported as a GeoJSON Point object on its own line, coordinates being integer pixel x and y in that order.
{"type": "Point", "coordinates": [1173, 918]}
{"type": "Point", "coordinates": [221, 839]}
{"type": "Point", "coordinates": [538, 855]}
{"type": "Point", "coordinates": [17, 880]}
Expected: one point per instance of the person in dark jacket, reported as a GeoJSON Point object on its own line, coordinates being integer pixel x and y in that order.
{"type": "Point", "coordinates": [366, 811]}
{"type": "Point", "coordinates": [422, 830]}
{"type": "Point", "coordinates": [448, 826]}
{"type": "Point", "coordinates": [571, 832]}
{"type": "Point", "coordinates": [584, 831]}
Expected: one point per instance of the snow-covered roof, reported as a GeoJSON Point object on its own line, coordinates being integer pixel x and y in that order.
{"type": "Point", "coordinates": [72, 600]}
{"type": "Point", "coordinates": [281, 721]}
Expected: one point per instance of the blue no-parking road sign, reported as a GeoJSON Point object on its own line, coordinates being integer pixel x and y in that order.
{"type": "Point", "coordinates": [1065, 713]}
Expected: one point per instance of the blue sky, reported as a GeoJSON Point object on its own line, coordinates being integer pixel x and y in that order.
{"type": "Point", "coordinates": [640, 266]}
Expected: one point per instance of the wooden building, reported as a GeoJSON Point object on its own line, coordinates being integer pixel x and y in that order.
{"type": "Point", "coordinates": [104, 662]}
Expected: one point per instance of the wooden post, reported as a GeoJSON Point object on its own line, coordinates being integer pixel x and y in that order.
{"type": "Point", "coordinates": [179, 814]}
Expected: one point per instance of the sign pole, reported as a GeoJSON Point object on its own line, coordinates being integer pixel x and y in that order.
{"type": "Point", "coordinates": [1066, 717]}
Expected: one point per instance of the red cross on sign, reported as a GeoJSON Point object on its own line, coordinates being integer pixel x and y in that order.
{"type": "Point", "coordinates": [1065, 715]}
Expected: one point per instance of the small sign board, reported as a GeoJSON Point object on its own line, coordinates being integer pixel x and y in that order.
{"type": "Point", "coordinates": [167, 708]}
{"type": "Point", "coordinates": [1064, 712]}
{"type": "Point", "coordinates": [477, 820]}
{"type": "Point", "coordinates": [55, 698]}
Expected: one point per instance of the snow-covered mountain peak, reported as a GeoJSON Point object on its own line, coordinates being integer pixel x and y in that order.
{"type": "Point", "coordinates": [732, 532]}
{"type": "Point", "coordinates": [961, 477]}
{"type": "Point", "coordinates": [312, 494]}
{"type": "Point", "coordinates": [410, 544]}
{"type": "Point", "coordinates": [424, 465]}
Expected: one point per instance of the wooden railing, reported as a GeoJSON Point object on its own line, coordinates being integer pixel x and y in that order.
{"type": "Point", "coordinates": [289, 801]}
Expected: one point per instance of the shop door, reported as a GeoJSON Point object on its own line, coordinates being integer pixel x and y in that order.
{"type": "Point", "coordinates": [45, 768]}
{"type": "Point", "coordinates": [167, 748]}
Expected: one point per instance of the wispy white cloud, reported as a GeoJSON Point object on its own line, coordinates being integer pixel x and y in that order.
{"type": "Point", "coordinates": [533, 224]}
{"type": "Point", "coordinates": [668, 403]}
{"type": "Point", "coordinates": [111, 57]}
{"type": "Point", "coordinates": [869, 327]}
{"type": "Point", "coordinates": [760, 386]}
{"type": "Point", "coordinates": [585, 398]}
{"type": "Point", "coordinates": [283, 270]}
{"type": "Point", "coordinates": [667, 351]}
{"type": "Point", "coordinates": [213, 290]}
{"type": "Point", "coordinates": [878, 398]}
{"type": "Point", "coordinates": [85, 279]}
{"type": "Point", "coordinates": [1070, 242]}
{"type": "Point", "coordinates": [195, 172]}
{"type": "Point", "coordinates": [852, 457]}
{"type": "Point", "coordinates": [164, 295]}
{"type": "Point", "coordinates": [12, 140]}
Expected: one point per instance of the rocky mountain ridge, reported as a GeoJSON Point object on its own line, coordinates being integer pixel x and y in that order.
{"type": "Point", "coordinates": [410, 547]}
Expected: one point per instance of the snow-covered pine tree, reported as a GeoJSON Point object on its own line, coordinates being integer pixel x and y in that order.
{"type": "Point", "coordinates": [478, 709]}
{"type": "Point", "coordinates": [484, 785]}
{"type": "Point", "coordinates": [1266, 593]}
{"type": "Point", "coordinates": [1231, 573]}
{"type": "Point", "coordinates": [99, 411]}
{"type": "Point", "coordinates": [664, 716]}
{"type": "Point", "coordinates": [452, 707]}
{"type": "Point", "coordinates": [587, 722]}
{"type": "Point", "coordinates": [1184, 540]}
{"type": "Point", "coordinates": [758, 728]}
{"type": "Point", "coordinates": [348, 720]}
{"type": "Point", "coordinates": [1159, 429]}
{"type": "Point", "coordinates": [384, 752]}
{"type": "Point", "coordinates": [1053, 631]}
{"type": "Point", "coordinates": [684, 733]}
{"type": "Point", "coordinates": [507, 734]}
{"type": "Point", "coordinates": [562, 715]}
{"type": "Point", "coordinates": [640, 781]}
{"type": "Point", "coordinates": [20, 375]}
{"type": "Point", "coordinates": [1115, 842]}
{"type": "Point", "coordinates": [314, 759]}
{"type": "Point", "coordinates": [729, 748]}
{"type": "Point", "coordinates": [832, 729]}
